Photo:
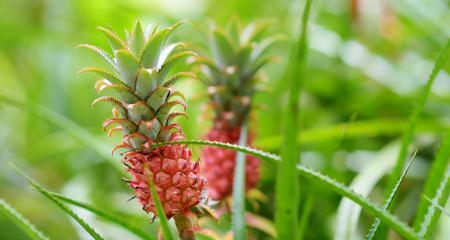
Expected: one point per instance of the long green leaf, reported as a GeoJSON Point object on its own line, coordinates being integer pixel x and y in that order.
{"type": "Point", "coordinates": [238, 212]}
{"type": "Point", "coordinates": [164, 223]}
{"type": "Point", "coordinates": [432, 184]}
{"type": "Point", "coordinates": [287, 184]}
{"type": "Point", "coordinates": [358, 129]}
{"type": "Point", "coordinates": [377, 222]}
{"type": "Point", "coordinates": [61, 205]}
{"type": "Point", "coordinates": [108, 216]}
{"type": "Point", "coordinates": [415, 116]}
{"type": "Point", "coordinates": [392, 221]}
{"type": "Point", "coordinates": [21, 221]}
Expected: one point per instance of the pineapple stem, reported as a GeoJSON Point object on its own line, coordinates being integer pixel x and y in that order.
{"type": "Point", "coordinates": [187, 225]}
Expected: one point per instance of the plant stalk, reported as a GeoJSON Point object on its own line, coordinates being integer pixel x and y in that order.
{"type": "Point", "coordinates": [187, 225]}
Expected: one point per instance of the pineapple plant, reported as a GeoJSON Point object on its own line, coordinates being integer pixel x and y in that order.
{"type": "Point", "coordinates": [231, 73]}
{"type": "Point", "coordinates": [144, 110]}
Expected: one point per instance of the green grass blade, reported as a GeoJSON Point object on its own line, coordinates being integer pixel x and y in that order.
{"type": "Point", "coordinates": [387, 218]}
{"type": "Point", "coordinates": [163, 222]}
{"type": "Point", "coordinates": [438, 206]}
{"type": "Point", "coordinates": [287, 184]}
{"type": "Point", "coordinates": [415, 116]}
{"type": "Point", "coordinates": [433, 182]}
{"type": "Point", "coordinates": [61, 205]}
{"type": "Point", "coordinates": [440, 198]}
{"type": "Point", "coordinates": [248, 150]}
{"type": "Point", "coordinates": [238, 211]}
{"type": "Point", "coordinates": [58, 120]}
{"type": "Point", "coordinates": [348, 213]}
{"type": "Point", "coordinates": [358, 129]}
{"type": "Point", "coordinates": [377, 222]}
{"type": "Point", "coordinates": [304, 218]}
{"type": "Point", "coordinates": [21, 221]}
{"type": "Point", "coordinates": [105, 215]}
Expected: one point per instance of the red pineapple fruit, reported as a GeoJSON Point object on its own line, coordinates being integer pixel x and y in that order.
{"type": "Point", "coordinates": [218, 164]}
{"type": "Point", "coordinates": [232, 77]}
{"type": "Point", "coordinates": [143, 100]}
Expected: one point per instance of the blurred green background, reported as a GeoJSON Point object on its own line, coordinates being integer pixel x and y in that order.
{"type": "Point", "coordinates": [366, 62]}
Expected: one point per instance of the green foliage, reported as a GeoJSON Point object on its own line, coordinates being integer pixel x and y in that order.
{"type": "Point", "coordinates": [348, 213]}
{"type": "Point", "coordinates": [61, 205]}
{"type": "Point", "coordinates": [232, 69]}
{"type": "Point", "coordinates": [390, 220]}
{"type": "Point", "coordinates": [56, 119]}
{"type": "Point", "coordinates": [238, 211]}
{"type": "Point", "coordinates": [330, 183]}
{"type": "Point", "coordinates": [304, 218]}
{"type": "Point", "coordinates": [119, 220]}
{"type": "Point", "coordinates": [364, 75]}
{"type": "Point", "coordinates": [21, 221]}
{"type": "Point", "coordinates": [287, 184]}
{"type": "Point", "coordinates": [377, 222]}
{"type": "Point", "coordinates": [437, 187]}
{"type": "Point", "coordinates": [355, 130]}
{"type": "Point", "coordinates": [416, 114]}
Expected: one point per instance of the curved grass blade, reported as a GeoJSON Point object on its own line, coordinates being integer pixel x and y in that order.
{"type": "Point", "coordinates": [21, 221]}
{"type": "Point", "coordinates": [348, 213]}
{"type": "Point", "coordinates": [415, 116]}
{"type": "Point", "coordinates": [105, 215]}
{"type": "Point", "coordinates": [238, 211]}
{"type": "Point", "coordinates": [73, 129]}
{"type": "Point", "coordinates": [392, 221]}
{"type": "Point", "coordinates": [164, 223]}
{"type": "Point", "coordinates": [432, 184]}
{"type": "Point", "coordinates": [377, 222]}
{"type": "Point", "coordinates": [287, 184]}
{"type": "Point", "coordinates": [387, 218]}
{"type": "Point", "coordinates": [61, 205]}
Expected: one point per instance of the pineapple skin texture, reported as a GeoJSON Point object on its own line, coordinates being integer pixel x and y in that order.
{"type": "Point", "coordinates": [176, 177]}
{"type": "Point", "coordinates": [218, 164]}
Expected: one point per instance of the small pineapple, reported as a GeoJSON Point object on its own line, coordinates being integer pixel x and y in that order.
{"type": "Point", "coordinates": [143, 110]}
{"type": "Point", "coordinates": [232, 76]}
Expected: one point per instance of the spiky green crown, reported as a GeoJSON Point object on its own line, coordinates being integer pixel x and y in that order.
{"type": "Point", "coordinates": [231, 72]}
{"type": "Point", "coordinates": [139, 87]}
